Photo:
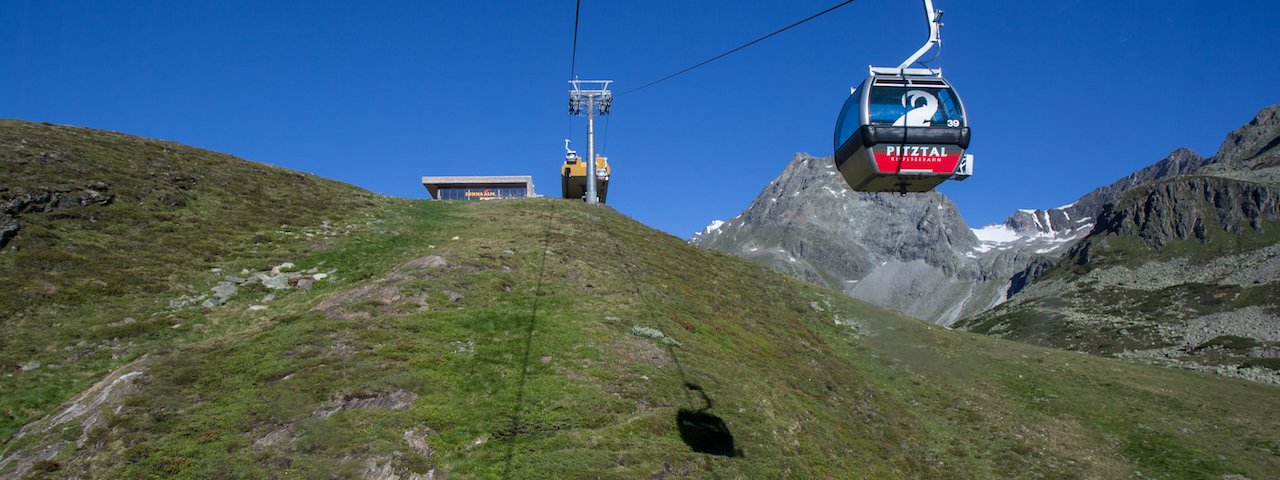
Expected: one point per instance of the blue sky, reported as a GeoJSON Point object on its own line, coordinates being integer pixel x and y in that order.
{"type": "Point", "coordinates": [1063, 96]}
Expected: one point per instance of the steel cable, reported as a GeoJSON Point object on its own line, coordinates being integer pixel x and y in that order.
{"type": "Point", "coordinates": [735, 49]}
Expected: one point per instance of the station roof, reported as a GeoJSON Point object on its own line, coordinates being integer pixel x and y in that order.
{"type": "Point", "coordinates": [433, 184]}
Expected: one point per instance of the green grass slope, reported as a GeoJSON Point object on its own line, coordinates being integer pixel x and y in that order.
{"type": "Point", "coordinates": [113, 226]}
{"type": "Point", "coordinates": [551, 339]}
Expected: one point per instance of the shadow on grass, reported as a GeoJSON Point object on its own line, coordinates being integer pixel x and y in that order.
{"type": "Point", "coordinates": [517, 409]}
{"type": "Point", "coordinates": [702, 431]}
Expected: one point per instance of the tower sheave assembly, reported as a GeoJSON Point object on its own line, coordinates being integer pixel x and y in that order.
{"type": "Point", "coordinates": [587, 97]}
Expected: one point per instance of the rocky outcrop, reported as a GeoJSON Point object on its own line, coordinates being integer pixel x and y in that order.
{"type": "Point", "coordinates": [1179, 271]}
{"type": "Point", "coordinates": [16, 204]}
{"type": "Point", "coordinates": [1063, 220]}
{"type": "Point", "coordinates": [86, 412]}
{"type": "Point", "coordinates": [1251, 147]}
{"type": "Point", "coordinates": [1034, 270]}
{"type": "Point", "coordinates": [913, 254]}
{"type": "Point", "coordinates": [8, 228]}
{"type": "Point", "coordinates": [1187, 208]}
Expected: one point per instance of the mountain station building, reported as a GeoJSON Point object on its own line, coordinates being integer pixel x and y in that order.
{"type": "Point", "coordinates": [479, 188]}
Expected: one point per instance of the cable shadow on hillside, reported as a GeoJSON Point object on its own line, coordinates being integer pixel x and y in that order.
{"type": "Point", "coordinates": [702, 431]}
{"type": "Point", "coordinates": [516, 425]}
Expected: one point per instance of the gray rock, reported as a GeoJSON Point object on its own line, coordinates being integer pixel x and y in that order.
{"type": "Point", "coordinates": [305, 283]}
{"type": "Point", "coordinates": [236, 280]}
{"type": "Point", "coordinates": [453, 296]}
{"type": "Point", "coordinates": [278, 282]}
{"type": "Point", "coordinates": [212, 302]}
{"type": "Point", "coordinates": [424, 263]}
{"type": "Point", "coordinates": [184, 301]}
{"type": "Point", "coordinates": [32, 365]}
{"type": "Point", "coordinates": [269, 297]}
{"type": "Point", "coordinates": [8, 229]}
{"type": "Point", "coordinates": [399, 400]}
{"type": "Point", "coordinates": [125, 321]}
{"type": "Point", "coordinates": [224, 290]}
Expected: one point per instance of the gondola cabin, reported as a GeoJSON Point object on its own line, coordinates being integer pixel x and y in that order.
{"type": "Point", "coordinates": [902, 130]}
{"type": "Point", "coordinates": [573, 177]}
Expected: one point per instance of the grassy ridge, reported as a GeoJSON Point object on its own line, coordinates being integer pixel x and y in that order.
{"type": "Point", "coordinates": [575, 393]}
{"type": "Point", "coordinates": [174, 212]}
{"type": "Point", "coordinates": [500, 340]}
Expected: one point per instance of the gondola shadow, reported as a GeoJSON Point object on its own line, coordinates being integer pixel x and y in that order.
{"type": "Point", "coordinates": [699, 429]}
{"type": "Point", "coordinates": [704, 432]}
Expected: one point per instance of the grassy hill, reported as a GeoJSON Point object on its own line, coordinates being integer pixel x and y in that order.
{"type": "Point", "coordinates": [551, 339]}
{"type": "Point", "coordinates": [112, 226]}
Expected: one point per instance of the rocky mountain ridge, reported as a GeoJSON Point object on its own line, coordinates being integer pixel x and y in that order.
{"type": "Point", "coordinates": [945, 277]}
{"type": "Point", "coordinates": [1182, 271]}
{"type": "Point", "coordinates": [919, 244]}
{"type": "Point", "coordinates": [913, 254]}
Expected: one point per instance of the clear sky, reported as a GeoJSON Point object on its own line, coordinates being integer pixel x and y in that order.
{"type": "Point", "coordinates": [1063, 96]}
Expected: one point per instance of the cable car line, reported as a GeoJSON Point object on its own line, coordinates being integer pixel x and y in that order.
{"type": "Point", "coordinates": [573, 56]}
{"type": "Point", "coordinates": [739, 47]}
{"type": "Point", "coordinates": [573, 61]}
{"type": "Point", "coordinates": [604, 142]}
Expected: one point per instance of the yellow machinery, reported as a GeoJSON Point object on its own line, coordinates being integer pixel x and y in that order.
{"type": "Point", "coordinates": [573, 176]}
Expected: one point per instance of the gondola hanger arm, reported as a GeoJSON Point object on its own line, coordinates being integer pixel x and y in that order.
{"type": "Point", "coordinates": [932, 17]}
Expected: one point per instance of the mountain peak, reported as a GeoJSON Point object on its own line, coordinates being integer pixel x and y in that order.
{"type": "Point", "coordinates": [1245, 148]}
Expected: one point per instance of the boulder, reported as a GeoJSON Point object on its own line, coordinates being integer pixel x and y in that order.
{"type": "Point", "coordinates": [8, 229]}
{"type": "Point", "coordinates": [278, 282]}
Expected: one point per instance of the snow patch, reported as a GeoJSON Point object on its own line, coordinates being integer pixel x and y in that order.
{"type": "Point", "coordinates": [713, 227]}
{"type": "Point", "coordinates": [998, 233]}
